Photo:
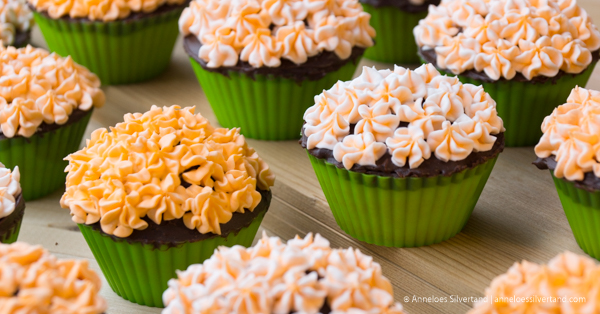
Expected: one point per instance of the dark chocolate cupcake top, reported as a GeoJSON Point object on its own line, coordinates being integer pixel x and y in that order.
{"type": "Point", "coordinates": [302, 276]}
{"type": "Point", "coordinates": [165, 164]}
{"type": "Point", "coordinates": [571, 139]}
{"type": "Point", "coordinates": [10, 188]}
{"type": "Point", "coordinates": [262, 33]}
{"type": "Point", "coordinates": [40, 88]}
{"type": "Point", "coordinates": [410, 115]}
{"type": "Point", "coordinates": [506, 37]}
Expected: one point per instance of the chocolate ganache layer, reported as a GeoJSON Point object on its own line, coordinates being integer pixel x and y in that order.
{"type": "Point", "coordinates": [75, 116]}
{"type": "Point", "coordinates": [430, 56]}
{"type": "Point", "coordinates": [8, 222]}
{"type": "Point", "coordinates": [431, 167]}
{"type": "Point", "coordinates": [590, 182]}
{"type": "Point", "coordinates": [174, 232]}
{"type": "Point", "coordinates": [134, 16]}
{"type": "Point", "coordinates": [403, 5]}
{"type": "Point", "coordinates": [315, 68]}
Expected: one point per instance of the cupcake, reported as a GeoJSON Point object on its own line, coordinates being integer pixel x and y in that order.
{"type": "Point", "coordinates": [46, 102]}
{"type": "Point", "coordinates": [402, 156]}
{"type": "Point", "coordinates": [569, 283]}
{"type": "Point", "coordinates": [16, 21]}
{"type": "Point", "coordinates": [569, 149]}
{"type": "Point", "coordinates": [122, 41]}
{"type": "Point", "coordinates": [34, 281]}
{"type": "Point", "coordinates": [261, 62]}
{"type": "Point", "coordinates": [12, 205]}
{"type": "Point", "coordinates": [394, 21]}
{"type": "Point", "coordinates": [527, 54]}
{"type": "Point", "coordinates": [302, 276]}
{"type": "Point", "coordinates": [160, 192]}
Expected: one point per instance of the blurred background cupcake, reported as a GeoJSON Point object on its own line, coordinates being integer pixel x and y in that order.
{"type": "Point", "coordinates": [16, 20]}
{"type": "Point", "coordinates": [162, 191]}
{"type": "Point", "coordinates": [121, 41]}
{"type": "Point", "coordinates": [261, 62]}
{"type": "Point", "coordinates": [569, 283]}
{"type": "Point", "coordinates": [46, 102]}
{"type": "Point", "coordinates": [394, 21]}
{"type": "Point", "coordinates": [12, 205]}
{"type": "Point", "coordinates": [34, 281]}
{"type": "Point", "coordinates": [302, 276]}
{"type": "Point", "coordinates": [402, 156]}
{"type": "Point", "coordinates": [527, 54]}
{"type": "Point", "coordinates": [569, 148]}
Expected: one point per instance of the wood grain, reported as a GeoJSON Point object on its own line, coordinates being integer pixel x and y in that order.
{"type": "Point", "coordinates": [518, 216]}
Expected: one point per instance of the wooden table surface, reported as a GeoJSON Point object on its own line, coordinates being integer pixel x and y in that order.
{"type": "Point", "coordinates": [518, 216]}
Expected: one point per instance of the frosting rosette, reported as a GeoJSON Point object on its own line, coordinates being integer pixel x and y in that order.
{"type": "Point", "coordinates": [262, 33]}
{"type": "Point", "coordinates": [103, 10]}
{"type": "Point", "coordinates": [10, 188]}
{"type": "Point", "coordinates": [34, 281]}
{"type": "Point", "coordinates": [38, 87]}
{"type": "Point", "coordinates": [569, 283]}
{"type": "Point", "coordinates": [410, 115]}
{"type": "Point", "coordinates": [304, 275]}
{"type": "Point", "coordinates": [571, 136]}
{"type": "Point", "coordinates": [15, 18]}
{"type": "Point", "coordinates": [167, 163]}
{"type": "Point", "coordinates": [504, 37]}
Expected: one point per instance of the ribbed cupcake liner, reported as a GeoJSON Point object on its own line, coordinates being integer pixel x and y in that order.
{"type": "Point", "coordinates": [119, 52]}
{"type": "Point", "coordinates": [524, 105]}
{"type": "Point", "coordinates": [582, 209]}
{"type": "Point", "coordinates": [11, 224]}
{"type": "Point", "coordinates": [11, 235]}
{"type": "Point", "coordinates": [140, 272]}
{"type": "Point", "coordinates": [264, 107]}
{"type": "Point", "coordinates": [395, 42]}
{"type": "Point", "coordinates": [401, 212]}
{"type": "Point", "coordinates": [40, 157]}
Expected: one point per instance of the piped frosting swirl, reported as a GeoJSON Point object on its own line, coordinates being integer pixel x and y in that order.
{"type": "Point", "coordinates": [167, 163]}
{"type": "Point", "coordinates": [10, 188]}
{"type": "Point", "coordinates": [413, 115]}
{"type": "Point", "coordinates": [569, 283]}
{"type": "Point", "coordinates": [40, 87]}
{"type": "Point", "coordinates": [572, 136]}
{"type": "Point", "coordinates": [34, 281]}
{"type": "Point", "coordinates": [102, 10]}
{"type": "Point", "coordinates": [274, 277]}
{"type": "Point", "coordinates": [506, 37]}
{"type": "Point", "coordinates": [262, 32]}
{"type": "Point", "coordinates": [15, 17]}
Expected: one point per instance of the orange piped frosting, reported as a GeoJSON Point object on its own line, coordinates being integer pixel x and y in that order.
{"type": "Point", "coordinates": [101, 10]}
{"type": "Point", "coordinates": [442, 117]}
{"type": "Point", "coordinates": [136, 170]}
{"type": "Point", "coordinates": [33, 281]}
{"type": "Point", "coordinates": [274, 277]}
{"type": "Point", "coordinates": [572, 135]}
{"type": "Point", "coordinates": [38, 86]}
{"type": "Point", "coordinates": [506, 37]}
{"type": "Point", "coordinates": [262, 32]}
{"type": "Point", "coordinates": [15, 17]}
{"type": "Point", "coordinates": [569, 283]}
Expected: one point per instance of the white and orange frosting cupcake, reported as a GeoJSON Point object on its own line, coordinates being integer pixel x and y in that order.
{"type": "Point", "coordinates": [34, 281]}
{"type": "Point", "coordinates": [396, 123]}
{"type": "Point", "coordinates": [41, 91]}
{"type": "Point", "coordinates": [263, 33]}
{"type": "Point", "coordinates": [508, 38]}
{"type": "Point", "coordinates": [16, 21]}
{"type": "Point", "coordinates": [12, 205]}
{"type": "Point", "coordinates": [165, 164]}
{"type": "Point", "coordinates": [302, 276]}
{"type": "Point", "coordinates": [569, 283]}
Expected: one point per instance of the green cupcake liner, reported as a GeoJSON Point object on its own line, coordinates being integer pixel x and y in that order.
{"type": "Point", "coordinates": [119, 52]}
{"type": "Point", "coordinates": [264, 107]}
{"type": "Point", "coordinates": [140, 272]}
{"type": "Point", "coordinates": [524, 105]}
{"type": "Point", "coordinates": [40, 157]}
{"type": "Point", "coordinates": [11, 224]}
{"type": "Point", "coordinates": [395, 42]}
{"type": "Point", "coordinates": [12, 234]}
{"type": "Point", "coordinates": [582, 209]}
{"type": "Point", "coordinates": [401, 212]}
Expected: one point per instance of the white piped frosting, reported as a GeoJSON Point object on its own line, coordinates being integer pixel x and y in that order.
{"type": "Point", "coordinates": [10, 188]}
